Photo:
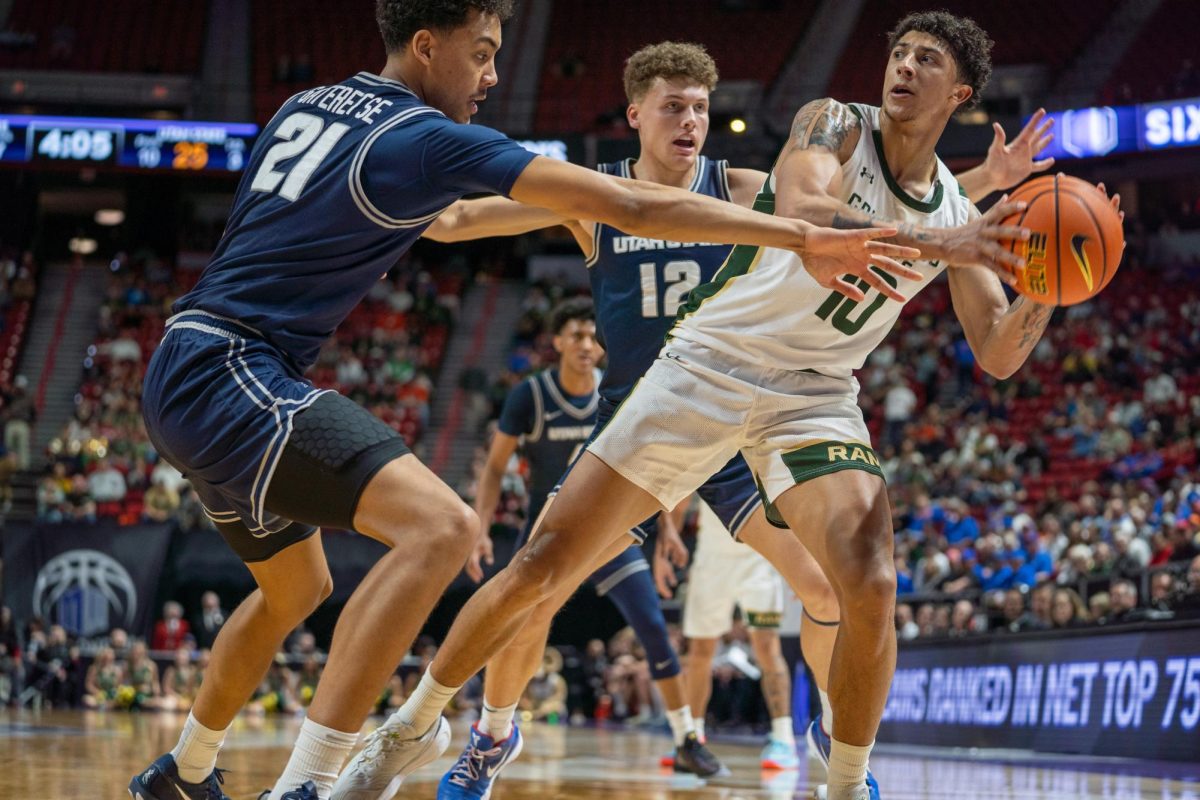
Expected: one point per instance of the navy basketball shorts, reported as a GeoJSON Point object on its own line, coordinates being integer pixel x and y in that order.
{"type": "Point", "coordinates": [271, 457]}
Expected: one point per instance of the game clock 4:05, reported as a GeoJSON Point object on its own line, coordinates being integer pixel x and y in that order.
{"type": "Point", "coordinates": [182, 145]}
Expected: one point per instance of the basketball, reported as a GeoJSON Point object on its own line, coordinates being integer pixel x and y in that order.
{"type": "Point", "coordinates": [1075, 240]}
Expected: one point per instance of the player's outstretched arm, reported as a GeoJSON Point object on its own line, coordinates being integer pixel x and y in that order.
{"type": "Point", "coordinates": [1000, 334]}
{"type": "Point", "coordinates": [489, 216]}
{"type": "Point", "coordinates": [808, 182]}
{"type": "Point", "coordinates": [1007, 164]}
{"type": "Point", "coordinates": [487, 495]}
{"type": "Point", "coordinates": [647, 209]}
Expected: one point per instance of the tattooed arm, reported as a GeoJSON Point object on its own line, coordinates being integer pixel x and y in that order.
{"type": "Point", "coordinates": [1001, 335]}
{"type": "Point", "coordinates": [808, 185]}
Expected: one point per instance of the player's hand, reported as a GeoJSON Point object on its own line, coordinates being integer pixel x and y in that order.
{"type": "Point", "coordinates": [1009, 164]}
{"type": "Point", "coordinates": [835, 258]}
{"type": "Point", "coordinates": [982, 242]}
{"type": "Point", "coordinates": [669, 553]}
{"type": "Point", "coordinates": [1114, 201]}
{"type": "Point", "coordinates": [482, 554]}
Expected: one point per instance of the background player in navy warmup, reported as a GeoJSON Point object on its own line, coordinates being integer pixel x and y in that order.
{"type": "Point", "coordinates": [339, 184]}
{"type": "Point", "coordinates": [550, 416]}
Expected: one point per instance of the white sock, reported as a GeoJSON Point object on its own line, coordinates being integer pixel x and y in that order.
{"type": "Point", "coordinates": [847, 769]}
{"type": "Point", "coordinates": [196, 753]}
{"type": "Point", "coordinates": [497, 722]}
{"type": "Point", "coordinates": [318, 757]}
{"type": "Point", "coordinates": [423, 707]}
{"type": "Point", "coordinates": [698, 727]}
{"type": "Point", "coordinates": [681, 723]}
{"type": "Point", "coordinates": [781, 730]}
{"type": "Point", "coordinates": [826, 713]}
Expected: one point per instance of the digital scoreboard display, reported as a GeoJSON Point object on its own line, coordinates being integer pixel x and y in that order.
{"type": "Point", "coordinates": [1106, 130]}
{"type": "Point", "coordinates": [181, 145]}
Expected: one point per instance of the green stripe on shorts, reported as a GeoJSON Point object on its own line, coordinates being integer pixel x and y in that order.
{"type": "Point", "coordinates": [818, 459]}
{"type": "Point", "coordinates": [763, 619]}
{"type": "Point", "coordinates": [822, 458]}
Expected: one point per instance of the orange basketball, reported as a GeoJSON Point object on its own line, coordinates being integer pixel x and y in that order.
{"type": "Point", "coordinates": [1075, 239]}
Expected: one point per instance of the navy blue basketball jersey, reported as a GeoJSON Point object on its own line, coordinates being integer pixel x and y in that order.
{"type": "Point", "coordinates": [338, 186]}
{"type": "Point", "coordinates": [553, 427]}
{"type": "Point", "coordinates": [638, 284]}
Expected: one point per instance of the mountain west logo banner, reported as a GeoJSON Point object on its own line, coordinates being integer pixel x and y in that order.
{"type": "Point", "coordinates": [87, 578]}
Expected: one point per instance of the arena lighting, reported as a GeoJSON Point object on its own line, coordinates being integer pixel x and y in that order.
{"type": "Point", "coordinates": [109, 217]}
{"type": "Point", "coordinates": [82, 246]}
{"type": "Point", "coordinates": [737, 125]}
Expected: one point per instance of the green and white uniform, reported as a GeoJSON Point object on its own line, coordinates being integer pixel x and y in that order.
{"type": "Point", "coordinates": [761, 359]}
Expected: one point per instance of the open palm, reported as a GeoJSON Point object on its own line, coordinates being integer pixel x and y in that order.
{"type": "Point", "coordinates": [835, 257]}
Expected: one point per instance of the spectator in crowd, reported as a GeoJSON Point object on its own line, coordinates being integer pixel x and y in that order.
{"type": "Point", "coordinates": [276, 693]}
{"type": "Point", "coordinates": [924, 620]}
{"type": "Point", "coordinates": [209, 621]}
{"type": "Point", "coordinates": [104, 678]}
{"type": "Point", "coordinates": [52, 495]}
{"type": "Point", "coordinates": [1164, 587]}
{"type": "Point", "coordinates": [1067, 609]}
{"type": "Point", "coordinates": [172, 631]}
{"type": "Point", "coordinates": [144, 689]}
{"type": "Point", "coordinates": [106, 484]}
{"type": "Point", "coordinates": [1188, 602]}
{"type": "Point", "coordinates": [545, 696]}
{"type": "Point", "coordinates": [8, 468]}
{"type": "Point", "coordinates": [1015, 618]}
{"type": "Point", "coordinates": [160, 501]}
{"type": "Point", "coordinates": [1123, 603]}
{"type": "Point", "coordinates": [906, 626]}
{"type": "Point", "coordinates": [307, 679]}
{"type": "Point", "coordinates": [10, 676]}
{"type": "Point", "coordinates": [17, 417]}
{"type": "Point", "coordinates": [179, 682]}
{"type": "Point", "coordinates": [118, 640]}
{"type": "Point", "coordinates": [1099, 606]}
{"type": "Point", "coordinates": [962, 619]}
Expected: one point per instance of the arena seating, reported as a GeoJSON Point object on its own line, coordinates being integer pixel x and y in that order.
{"type": "Point", "coordinates": [1025, 32]}
{"type": "Point", "coordinates": [581, 68]}
{"type": "Point", "coordinates": [290, 53]}
{"type": "Point", "coordinates": [397, 335]}
{"type": "Point", "coordinates": [1154, 67]}
{"type": "Point", "coordinates": [158, 37]}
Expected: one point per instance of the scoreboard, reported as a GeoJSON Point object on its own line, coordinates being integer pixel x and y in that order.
{"type": "Point", "coordinates": [182, 145]}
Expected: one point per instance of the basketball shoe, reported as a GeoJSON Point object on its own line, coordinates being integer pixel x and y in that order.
{"type": "Point", "coordinates": [307, 791]}
{"type": "Point", "coordinates": [391, 754]}
{"type": "Point", "coordinates": [779, 755]}
{"type": "Point", "coordinates": [694, 758]}
{"type": "Point", "coordinates": [819, 744]}
{"type": "Point", "coordinates": [161, 781]}
{"type": "Point", "coordinates": [475, 772]}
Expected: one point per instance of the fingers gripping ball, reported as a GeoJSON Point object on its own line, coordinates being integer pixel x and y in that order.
{"type": "Point", "coordinates": [1075, 240]}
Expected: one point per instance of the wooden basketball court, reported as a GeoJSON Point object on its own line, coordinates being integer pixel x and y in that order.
{"type": "Point", "coordinates": [71, 754]}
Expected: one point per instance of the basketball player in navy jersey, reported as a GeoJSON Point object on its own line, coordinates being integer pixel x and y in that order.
{"type": "Point", "coordinates": [338, 186]}
{"type": "Point", "coordinates": [638, 284]}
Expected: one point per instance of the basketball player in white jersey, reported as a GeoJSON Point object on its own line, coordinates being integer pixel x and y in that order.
{"type": "Point", "coordinates": [751, 369]}
{"type": "Point", "coordinates": [725, 575]}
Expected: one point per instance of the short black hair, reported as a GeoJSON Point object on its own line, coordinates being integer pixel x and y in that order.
{"type": "Point", "coordinates": [576, 308]}
{"type": "Point", "coordinates": [400, 19]}
{"type": "Point", "coordinates": [968, 43]}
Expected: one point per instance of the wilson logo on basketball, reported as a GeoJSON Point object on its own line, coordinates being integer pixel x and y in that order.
{"type": "Point", "coordinates": [1081, 258]}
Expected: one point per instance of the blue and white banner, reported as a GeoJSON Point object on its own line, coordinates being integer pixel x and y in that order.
{"type": "Point", "coordinates": [1134, 693]}
{"type": "Point", "coordinates": [1108, 130]}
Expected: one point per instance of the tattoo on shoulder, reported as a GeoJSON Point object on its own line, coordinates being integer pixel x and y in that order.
{"type": "Point", "coordinates": [823, 123]}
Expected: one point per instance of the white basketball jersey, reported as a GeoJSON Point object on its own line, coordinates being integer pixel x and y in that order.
{"type": "Point", "coordinates": [763, 305]}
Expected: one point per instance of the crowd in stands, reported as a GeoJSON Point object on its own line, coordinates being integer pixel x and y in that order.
{"type": "Point", "coordinates": [102, 462]}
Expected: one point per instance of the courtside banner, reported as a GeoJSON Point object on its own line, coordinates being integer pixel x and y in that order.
{"type": "Point", "coordinates": [1128, 691]}
{"type": "Point", "coordinates": [87, 578]}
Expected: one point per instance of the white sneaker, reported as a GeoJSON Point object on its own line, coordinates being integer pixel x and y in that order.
{"type": "Point", "coordinates": [378, 770]}
{"type": "Point", "coordinates": [863, 792]}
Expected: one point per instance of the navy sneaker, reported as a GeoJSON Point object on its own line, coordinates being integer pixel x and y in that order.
{"type": "Point", "coordinates": [161, 781]}
{"type": "Point", "coordinates": [694, 758]}
{"type": "Point", "coordinates": [819, 744]}
{"type": "Point", "coordinates": [308, 791]}
{"type": "Point", "coordinates": [474, 774]}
